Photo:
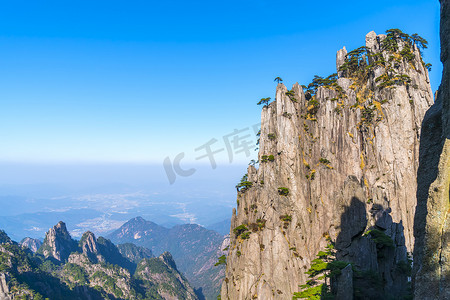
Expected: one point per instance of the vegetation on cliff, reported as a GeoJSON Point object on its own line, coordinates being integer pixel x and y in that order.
{"type": "Point", "coordinates": [337, 146]}
{"type": "Point", "coordinates": [91, 272]}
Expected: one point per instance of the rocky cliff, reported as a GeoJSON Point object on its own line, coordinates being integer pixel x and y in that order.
{"type": "Point", "coordinates": [32, 244]}
{"type": "Point", "coordinates": [337, 166]}
{"type": "Point", "coordinates": [194, 248]}
{"type": "Point", "coordinates": [159, 273]}
{"type": "Point", "coordinates": [102, 250]}
{"type": "Point", "coordinates": [4, 238]}
{"type": "Point", "coordinates": [58, 243]}
{"type": "Point", "coordinates": [4, 289]}
{"type": "Point", "coordinates": [432, 223]}
{"type": "Point", "coordinates": [93, 269]}
{"type": "Point", "coordinates": [101, 264]}
{"type": "Point", "coordinates": [134, 253]}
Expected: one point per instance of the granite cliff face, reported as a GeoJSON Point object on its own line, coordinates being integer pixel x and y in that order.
{"type": "Point", "coordinates": [4, 238]}
{"type": "Point", "coordinates": [432, 223]}
{"type": "Point", "coordinates": [337, 165]}
{"type": "Point", "coordinates": [58, 243]}
{"type": "Point", "coordinates": [32, 244]}
{"type": "Point", "coordinates": [134, 253]}
{"type": "Point", "coordinates": [102, 250]}
{"type": "Point", "coordinates": [103, 265]}
{"type": "Point", "coordinates": [164, 278]}
{"type": "Point", "coordinates": [94, 269]}
{"type": "Point", "coordinates": [194, 248]}
{"type": "Point", "coordinates": [4, 289]}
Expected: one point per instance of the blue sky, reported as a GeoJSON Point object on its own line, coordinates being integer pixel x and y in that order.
{"type": "Point", "coordinates": [137, 81]}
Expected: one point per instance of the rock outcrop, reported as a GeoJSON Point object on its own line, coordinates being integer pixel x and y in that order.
{"type": "Point", "coordinates": [113, 280]}
{"type": "Point", "coordinates": [88, 245]}
{"type": "Point", "coordinates": [194, 248]}
{"type": "Point", "coordinates": [58, 243]}
{"type": "Point", "coordinates": [4, 238]}
{"type": "Point", "coordinates": [432, 220]}
{"type": "Point", "coordinates": [134, 253]}
{"type": "Point", "coordinates": [32, 244]}
{"type": "Point", "coordinates": [102, 250]}
{"type": "Point", "coordinates": [161, 273]}
{"type": "Point", "coordinates": [4, 289]}
{"type": "Point", "coordinates": [337, 164]}
{"type": "Point", "coordinates": [95, 269]}
{"type": "Point", "coordinates": [102, 264]}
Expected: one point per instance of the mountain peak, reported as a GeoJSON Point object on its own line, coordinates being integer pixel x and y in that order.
{"type": "Point", "coordinates": [168, 276]}
{"type": "Point", "coordinates": [136, 229]}
{"type": "Point", "coordinates": [431, 274]}
{"type": "Point", "coordinates": [88, 235]}
{"type": "Point", "coordinates": [194, 248]}
{"type": "Point", "coordinates": [167, 258]}
{"type": "Point", "coordinates": [4, 238]}
{"type": "Point", "coordinates": [328, 153]}
{"type": "Point", "coordinates": [88, 244]}
{"type": "Point", "coordinates": [32, 244]}
{"type": "Point", "coordinates": [137, 220]}
{"type": "Point", "coordinates": [61, 224]}
{"type": "Point", "coordinates": [61, 229]}
{"type": "Point", "coordinates": [58, 243]}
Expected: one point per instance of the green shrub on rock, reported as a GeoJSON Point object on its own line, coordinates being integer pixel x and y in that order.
{"type": "Point", "coordinates": [283, 191]}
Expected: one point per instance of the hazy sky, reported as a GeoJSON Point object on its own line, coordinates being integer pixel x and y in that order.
{"type": "Point", "coordinates": [137, 81]}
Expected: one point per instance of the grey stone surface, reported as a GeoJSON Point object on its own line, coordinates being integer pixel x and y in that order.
{"type": "Point", "coordinates": [431, 274]}
{"type": "Point", "coordinates": [4, 290]}
{"type": "Point", "coordinates": [58, 243]}
{"type": "Point", "coordinates": [368, 165]}
{"type": "Point", "coordinates": [32, 244]}
{"type": "Point", "coordinates": [340, 59]}
{"type": "Point", "coordinates": [345, 288]}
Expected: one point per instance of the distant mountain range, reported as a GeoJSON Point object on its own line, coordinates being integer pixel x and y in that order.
{"type": "Point", "coordinates": [222, 227]}
{"type": "Point", "coordinates": [194, 248]}
{"type": "Point", "coordinates": [95, 268]}
{"type": "Point", "coordinates": [92, 268]}
{"type": "Point", "coordinates": [103, 213]}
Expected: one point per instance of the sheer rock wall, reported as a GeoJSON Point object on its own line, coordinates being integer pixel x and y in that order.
{"type": "Point", "coordinates": [343, 173]}
{"type": "Point", "coordinates": [432, 224]}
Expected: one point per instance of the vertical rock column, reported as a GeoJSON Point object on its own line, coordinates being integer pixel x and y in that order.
{"type": "Point", "coordinates": [432, 224]}
{"type": "Point", "coordinates": [332, 166]}
{"type": "Point", "coordinates": [4, 290]}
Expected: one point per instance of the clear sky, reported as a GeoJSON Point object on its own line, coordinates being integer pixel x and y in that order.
{"type": "Point", "coordinates": [137, 81]}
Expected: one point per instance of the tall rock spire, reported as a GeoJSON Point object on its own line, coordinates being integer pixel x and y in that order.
{"type": "Point", "coordinates": [58, 243]}
{"type": "Point", "coordinates": [335, 161]}
{"type": "Point", "coordinates": [432, 220]}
